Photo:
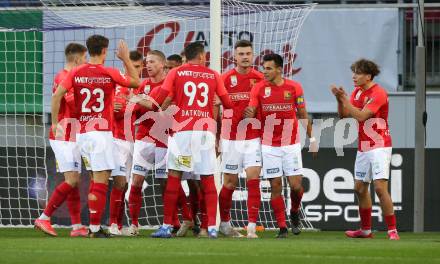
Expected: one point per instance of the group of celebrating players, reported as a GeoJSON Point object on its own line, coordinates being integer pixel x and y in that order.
{"type": "Point", "coordinates": [171, 123]}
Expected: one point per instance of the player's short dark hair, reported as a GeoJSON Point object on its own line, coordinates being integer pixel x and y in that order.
{"type": "Point", "coordinates": [157, 53]}
{"type": "Point", "coordinates": [193, 50]}
{"type": "Point", "coordinates": [135, 55]}
{"type": "Point", "coordinates": [175, 57]}
{"type": "Point", "coordinates": [276, 58]}
{"type": "Point", "coordinates": [96, 43]}
{"type": "Point", "coordinates": [242, 43]}
{"type": "Point", "coordinates": [364, 66]}
{"type": "Point", "coordinates": [74, 48]}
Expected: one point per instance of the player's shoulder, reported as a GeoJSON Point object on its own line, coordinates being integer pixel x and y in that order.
{"type": "Point", "coordinates": [292, 83]}
{"type": "Point", "coordinates": [228, 73]}
{"type": "Point", "coordinates": [61, 75]}
{"type": "Point", "coordinates": [256, 74]}
{"type": "Point", "coordinates": [377, 89]}
{"type": "Point", "coordinates": [260, 85]}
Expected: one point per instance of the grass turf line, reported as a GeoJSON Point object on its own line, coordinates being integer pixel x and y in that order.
{"type": "Point", "coordinates": [31, 246]}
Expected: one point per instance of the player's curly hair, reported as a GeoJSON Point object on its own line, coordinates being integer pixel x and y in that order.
{"type": "Point", "coordinates": [364, 66]}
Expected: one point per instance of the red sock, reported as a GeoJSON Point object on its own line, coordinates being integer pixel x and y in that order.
{"type": "Point", "coordinates": [58, 196]}
{"type": "Point", "coordinates": [194, 199]}
{"type": "Point", "coordinates": [279, 210]}
{"type": "Point", "coordinates": [170, 199]}
{"type": "Point", "coordinates": [115, 205]}
{"type": "Point", "coordinates": [134, 204]}
{"type": "Point", "coordinates": [210, 194]}
{"type": "Point", "coordinates": [254, 199]}
{"type": "Point", "coordinates": [225, 203]}
{"type": "Point", "coordinates": [183, 205]}
{"type": "Point", "coordinates": [74, 205]}
{"type": "Point", "coordinates": [97, 206]}
{"type": "Point", "coordinates": [122, 209]}
{"type": "Point", "coordinates": [295, 199]}
{"type": "Point", "coordinates": [391, 221]}
{"type": "Point", "coordinates": [365, 214]}
{"type": "Point", "coordinates": [204, 216]}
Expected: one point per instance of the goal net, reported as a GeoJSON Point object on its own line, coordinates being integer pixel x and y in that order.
{"type": "Point", "coordinates": [31, 55]}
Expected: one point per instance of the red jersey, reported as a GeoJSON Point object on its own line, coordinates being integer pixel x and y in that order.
{"type": "Point", "coordinates": [67, 111]}
{"type": "Point", "coordinates": [143, 131]}
{"type": "Point", "coordinates": [278, 105]}
{"type": "Point", "coordinates": [373, 132]}
{"type": "Point", "coordinates": [94, 87]}
{"type": "Point", "coordinates": [239, 87]}
{"type": "Point", "coordinates": [193, 87]}
{"type": "Point", "coordinates": [121, 129]}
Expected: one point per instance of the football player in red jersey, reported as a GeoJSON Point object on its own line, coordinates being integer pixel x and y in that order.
{"type": "Point", "coordinates": [192, 146]}
{"type": "Point", "coordinates": [123, 134]}
{"type": "Point", "coordinates": [279, 102]}
{"type": "Point", "coordinates": [94, 86]}
{"type": "Point", "coordinates": [68, 157]}
{"type": "Point", "coordinates": [144, 154]}
{"type": "Point", "coordinates": [368, 104]}
{"type": "Point", "coordinates": [241, 148]}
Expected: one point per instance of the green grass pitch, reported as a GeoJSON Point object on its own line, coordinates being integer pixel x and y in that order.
{"type": "Point", "coordinates": [30, 246]}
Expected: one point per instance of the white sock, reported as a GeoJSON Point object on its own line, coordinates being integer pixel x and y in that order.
{"type": "Point", "coordinates": [94, 228]}
{"type": "Point", "coordinates": [76, 226]}
{"type": "Point", "coordinates": [212, 227]}
{"type": "Point", "coordinates": [44, 217]}
{"type": "Point", "coordinates": [252, 225]}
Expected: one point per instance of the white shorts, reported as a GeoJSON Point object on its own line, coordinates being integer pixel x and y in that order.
{"type": "Point", "coordinates": [373, 164]}
{"type": "Point", "coordinates": [240, 154]}
{"type": "Point", "coordinates": [282, 161]}
{"type": "Point", "coordinates": [143, 157]}
{"type": "Point", "coordinates": [123, 155]}
{"type": "Point", "coordinates": [67, 155]}
{"type": "Point", "coordinates": [96, 148]}
{"type": "Point", "coordinates": [192, 151]}
{"type": "Point", "coordinates": [161, 164]}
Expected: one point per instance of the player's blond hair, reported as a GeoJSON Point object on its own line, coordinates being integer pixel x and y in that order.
{"type": "Point", "coordinates": [157, 53]}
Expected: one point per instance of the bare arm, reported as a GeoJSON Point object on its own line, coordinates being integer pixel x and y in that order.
{"type": "Point", "coordinates": [250, 112]}
{"type": "Point", "coordinates": [123, 53]}
{"type": "Point", "coordinates": [55, 106]}
{"type": "Point", "coordinates": [359, 115]}
{"type": "Point", "coordinates": [302, 114]}
{"type": "Point", "coordinates": [338, 92]}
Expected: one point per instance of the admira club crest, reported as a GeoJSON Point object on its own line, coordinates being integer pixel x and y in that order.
{"type": "Point", "coordinates": [147, 89]}
{"type": "Point", "coordinates": [233, 80]}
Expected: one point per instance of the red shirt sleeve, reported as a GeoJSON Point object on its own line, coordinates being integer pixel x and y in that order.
{"type": "Point", "coordinates": [168, 84]}
{"type": "Point", "coordinates": [220, 89]}
{"type": "Point", "coordinates": [118, 77]}
{"type": "Point", "coordinates": [376, 100]}
{"type": "Point", "coordinates": [67, 83]}
{"type": "Point", "coordinates": [299, 93]}
{"type": "Point", "coordinates": [254, 101]}
{"type": "Point", "coordinates": [353, 94]}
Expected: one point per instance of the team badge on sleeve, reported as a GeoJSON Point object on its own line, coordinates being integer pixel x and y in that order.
{"type": "Point", "coordinates": [234, 80]}
{"type": "Point", "coordinates": [300, 100]}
